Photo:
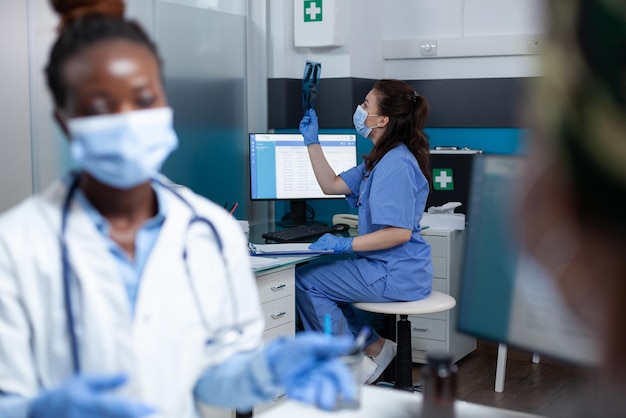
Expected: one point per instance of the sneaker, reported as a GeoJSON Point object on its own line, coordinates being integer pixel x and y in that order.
{"type": "Point", "coordinates": [365, 370]}
{"type": "Point", "coordinates": [382, 360]}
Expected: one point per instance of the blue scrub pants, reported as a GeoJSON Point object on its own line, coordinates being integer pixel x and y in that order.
{"type": "Point", "coordinates": [328, 288]}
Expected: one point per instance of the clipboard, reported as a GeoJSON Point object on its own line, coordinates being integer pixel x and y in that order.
{"type": "Point", "coordinates": [260, 263]}
{"type": "Point", "coordinates": [297, 248]}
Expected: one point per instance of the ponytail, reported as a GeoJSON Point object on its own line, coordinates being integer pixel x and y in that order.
{"type": "Point", "coordinates": [407, 112]}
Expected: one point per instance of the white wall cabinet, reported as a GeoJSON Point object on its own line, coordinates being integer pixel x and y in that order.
{"type": "Point", "coordinates": [438, 331]}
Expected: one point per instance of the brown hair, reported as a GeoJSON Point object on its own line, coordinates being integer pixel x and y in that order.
{"type": "Point", "coordinates": [83, 24]}
{"type": "Point", "coordinates": [407, 112]}
{"type": "Point", "coordinates": [70, 10]}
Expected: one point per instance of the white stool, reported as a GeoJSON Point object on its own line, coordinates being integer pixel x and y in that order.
{"type": "Point", "coordinates": [436, 302]}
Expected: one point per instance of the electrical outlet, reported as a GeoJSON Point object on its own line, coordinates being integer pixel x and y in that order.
{"type": "Point", "coordinates": [534, 44]}
{"type": "Point", "coordinates": [428, 48]}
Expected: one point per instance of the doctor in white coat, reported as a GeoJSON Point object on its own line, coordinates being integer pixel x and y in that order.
{"type": "Point", "coordinates": [122, 295]}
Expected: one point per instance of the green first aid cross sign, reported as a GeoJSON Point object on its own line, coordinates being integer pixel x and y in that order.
{"type": "Point", "coordinates": [443, 179]}
{"type": "Point", "coordinates": [312, 10]}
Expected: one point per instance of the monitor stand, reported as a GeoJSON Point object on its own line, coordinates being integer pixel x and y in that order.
{"type": "Point", "coordinates": [297, 212]}
{"type": "Point", "coordinates": [297, 215]}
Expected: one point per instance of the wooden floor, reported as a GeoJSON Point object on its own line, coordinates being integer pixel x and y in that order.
{"type": "Point", "coordinates": [540, 389]}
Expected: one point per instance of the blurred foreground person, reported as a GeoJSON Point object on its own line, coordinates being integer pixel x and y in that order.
{"type": "Point", "coordinates": [574, 208]}
{"type": "Point", "coordinates": [122, 295]}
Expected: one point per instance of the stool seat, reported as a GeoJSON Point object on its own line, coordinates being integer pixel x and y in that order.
{"type": "Point", "coordinates": [436, 302]}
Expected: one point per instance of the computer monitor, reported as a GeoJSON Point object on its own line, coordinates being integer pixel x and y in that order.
{"type": "Point", "coordinates": [280, 168]}
{"type": "Point", "coordinates": [506, 296]}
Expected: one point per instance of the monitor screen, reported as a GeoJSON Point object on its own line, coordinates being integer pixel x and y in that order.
{"type": "Point", "coordinates": [506, 296]}
{"type": "Point", "coordinates": [280, 168]}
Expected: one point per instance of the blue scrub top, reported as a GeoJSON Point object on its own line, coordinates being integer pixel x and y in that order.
{"type": "Point", "coordinates": [394, 193]}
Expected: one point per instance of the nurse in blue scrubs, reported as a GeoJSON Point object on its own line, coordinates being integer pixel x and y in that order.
{"type": "Point", "coordinates": [392, 261]}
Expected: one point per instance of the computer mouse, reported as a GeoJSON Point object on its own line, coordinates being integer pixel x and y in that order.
{"type": "Point", "coordinates": [341, 227]}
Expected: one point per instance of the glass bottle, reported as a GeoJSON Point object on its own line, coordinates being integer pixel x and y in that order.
{"type": "Point", "coordinates": [439, 386]}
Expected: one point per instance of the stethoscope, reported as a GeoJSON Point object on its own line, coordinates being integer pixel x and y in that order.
{"type": "Point", "coordinates": [225, 335]}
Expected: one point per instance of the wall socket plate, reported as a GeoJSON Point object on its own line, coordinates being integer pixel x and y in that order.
{"type": "Point", "coordinates": [428, 48]}
{"type": "Point", "coordinates": [534, 44]}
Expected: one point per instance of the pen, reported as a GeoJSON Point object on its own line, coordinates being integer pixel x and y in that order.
{"type": "Point", "coordinates": [225, 205]}
{"type": "Point", "coordinates": [232, 210]}
{"type": "Point", "coordinates": [328, 327]}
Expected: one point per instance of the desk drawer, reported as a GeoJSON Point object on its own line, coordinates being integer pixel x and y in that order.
{"type": "Point", "coordinates": [288, 329]}
{"type": "Point", "coordinates": [432, 329]}
{"type": "Point", "coordinates": [276, 284]}
{"type": "Point", "coordinates": [439, 285]}
{"type": "Point", "coordinates": [438, 245]}
{"type": "Point", "coordinates": [440, 267]}
{"type": "Point", "coordinates": [278, 312]}
{"type": "Point", "coordinates": [420, 348]}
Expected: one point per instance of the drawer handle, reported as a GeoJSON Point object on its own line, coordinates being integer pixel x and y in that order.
{"type": "Point", "coordinates": [421, 329]}
{"type": "Point", "coordinates": [278, 315]}
{"type": "Point", "coordinates": [278, 288]}
{"type": "Point", "coordinates": [421, 350]}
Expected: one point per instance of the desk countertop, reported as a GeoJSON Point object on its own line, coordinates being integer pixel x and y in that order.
{"type": "Point", "coordinates": [265, 263]}
{"type": "Point", "coordinates": [379, 402]}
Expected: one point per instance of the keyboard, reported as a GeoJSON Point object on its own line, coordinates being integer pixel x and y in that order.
{"type": "Point", "coordinates": [298, 233]}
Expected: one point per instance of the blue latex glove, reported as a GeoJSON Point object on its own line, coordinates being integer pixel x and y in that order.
{"type": "Point", "coordinates": [309, 127]}
{"type": "Point", "coordinates": [310, 370]}
{"type": "Point", "coordinates": [333, 242]}
{"type": "Point", "coordinates": [87, 397]}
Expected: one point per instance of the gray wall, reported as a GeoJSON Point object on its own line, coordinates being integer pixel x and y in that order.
{"type": "Point", "coordinates": [15, 157]}
{"type": "Point", "coordinates": [207, 66]}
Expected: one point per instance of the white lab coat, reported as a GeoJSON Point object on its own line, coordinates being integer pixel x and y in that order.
{"type": "Point", "coordinates": [162, 348]}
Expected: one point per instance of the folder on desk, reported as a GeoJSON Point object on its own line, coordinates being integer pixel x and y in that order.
{"type": "Point", "coordinates": [299, 248]}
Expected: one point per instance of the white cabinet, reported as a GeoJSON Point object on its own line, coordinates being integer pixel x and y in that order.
{"type": "Point", "coordinates": [277, 291]}
{"type": "Point", "coordinates": [278, 301]}
{"type": "Point", "coordinates": [438, 331]}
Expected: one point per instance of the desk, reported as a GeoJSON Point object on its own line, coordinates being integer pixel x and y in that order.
{"type": "Point", "coordinates": [276, 285]}
{"type": "Point", "coordinates": [379, 402]}
{"type": "Point", "coordinates": [277, 294]}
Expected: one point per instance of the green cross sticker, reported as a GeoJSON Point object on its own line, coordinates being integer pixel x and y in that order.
{"type": "Point", "coordinates": [312, 10]}
{"type": "Point", "coordinates": [443, 179]}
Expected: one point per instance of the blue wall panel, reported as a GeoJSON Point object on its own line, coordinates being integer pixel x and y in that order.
{"type": "Point", "coordinates": [490, 140]}
{"type": "Point", "coordinates": [204, 55]}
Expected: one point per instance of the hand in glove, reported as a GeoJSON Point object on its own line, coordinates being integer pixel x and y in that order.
{"type": "Point", "coordinates": [309, 367]}
{"type": "Point", "coordinates": [333, 242]}
{"type": "Point", "coordinates": [87, 397]}
{"type": "Point", "coordinates": [309, 127]}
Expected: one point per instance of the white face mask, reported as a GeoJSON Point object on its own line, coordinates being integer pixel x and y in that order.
{"type": "Point", "coordinates": [123, 150]}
